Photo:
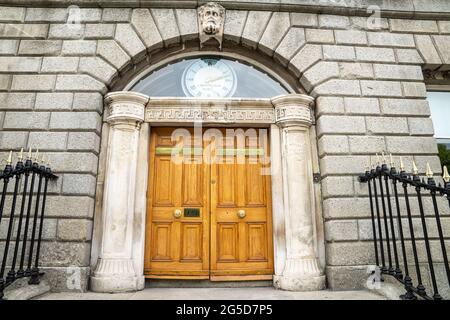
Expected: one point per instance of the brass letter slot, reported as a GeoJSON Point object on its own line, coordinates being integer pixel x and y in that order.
{"type": "Point", "coordinates": [191, 212]}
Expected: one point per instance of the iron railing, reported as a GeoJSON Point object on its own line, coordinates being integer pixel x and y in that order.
{"type": "Point", "coordinates": [385, 184]}
{"type": "Point", "coordinates": [28, 181]}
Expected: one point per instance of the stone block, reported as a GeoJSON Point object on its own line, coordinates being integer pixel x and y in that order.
{"type": "Point", "coordinates": [40, 47]}
{"type": "Point", "coordinates": [88, 14]}
{"type": "Point", "coordinates": [375, 24]}
{"type": "Point", "coordinates": [59, 64]}
{"type": "Point", "coordinates": [277, 27]}
{"type": "Point", "coordinates": [329, 105]}
{"type": "Point", "coordinates": [352, 37]}
{"type": "Point", "coordinates": [411, 145]}
{"type": "Point", "coordinates": [97, 68]}
{"type": "Point", "coordinates": [319, 73]}
{"type": "Point", "coordinates": [70, 206]}
{"type": "Point", "coordinates": [4, 81]}
{"type": "Point", "coordinates": [83, 141]}
{"type": "Point", "coordinates": [292, 41]}
{"type": "Point", "coordinates": [331, 124]}
{"type": "Point", "coordinates": [167, 26]}
{"type": "Point", "coordinates": [75, 120]}
{"type": "Point", "coordinates": [79, 47]}
{"type": "Point", "coordinates": [79, 184]}
{"type": "Point", "coordinates": [74, 229]}
{"type": "Point", "coordinates": [73, 162]}
{"type": "Point", "coordinates": [234, 24]}
{"type": "Point", "coordinates": [338, 53]}
{"type": "Point", "coordinates": [88, 101]}
{"type": "Point", "coordinates": [381, 88]}
{"type": "Point", "coordinates": [350, 208]}
{"type": "Point", "coordinates": [300, 19]}
{"type": "Point", "coordinates": [361, 105]}
{"type": "Point", "coordinates": [187, 23]}
{"type": "Point", "coordinates": [421, 126]}
{"type": "Point", "coordinates": [66, 31]}
{"type": "Point", "coordinates": [342, 230]}
{"type": "Point", "coordinates": [33, 82]}
{"type": "Point", "coordinates": [46, 14]}
{"type": "Point", "coordinates": [428, 50]}
{"type": "Point", "coordinates": [355, 70]}
{"type": "Point", "coordinates": [366, 144]}
{"type": "Point", "coordinates": [80, 82]}
{"type": "Point", "coordinates": [347, 278]}
{"type": "Point", "coordinates": [344, 165]}
{"type": "Point", "coordinates": [386, 39]}
{"type": "Point", "coordinates": [67, 279]}
{"type": "Point", "coordinates": [305, 58]}
{"type": "Point", "coordinates": [20, 64]}
{"type": "Point", "coordinates": [350, 253]}
{"type": "Point", "coordinates": [113, 53]}
{"type": "Point", "coordinates": [386, 71]}
{"type": "Point", "coordinates": [337, 186]}
{"type": "Point", "coordinates": [330, 144]}
{"type": "Point", "coordinates": [387, 125]}
{"type": "Point", "coordinates": [413, 26]}
{"type": "Point", "coordinates": [319, 36]}
{"type": "Point", "coordinates": [9, 47]}
{"type": "Point", "coordinates": [411, 56]}
{"type": "Point", "coordinates": [99, 31]}
{"type": "Point", "coordinates": [338, 87]}
{"type": "Point", "coordinates": [333, 21]}
{"type": "Point", "coordinates": [13, 140]}
{"type": "Point", "coordinates": [16, 101]}
{"type": "Point", "coordinates": [375, 54]}
{"type": "Point", "coordinates": [254, 27]}
{"type": "Point", "coordinates": [58, 254]}
{"type": "Point", "coordinates": [54, 101]}
{"type": "Point", "coordinates": [26, 120]}
{"type": "Point", "coordinates": [12, 14]}
{"type": "Point", "coordinates": [47, 141]}
{"type": "Point", "coordinates": [411, 107]}
{"type": "Point", "coordinates": [414, 89]}
{"type": "Point", "coordinates": [129, 40]}
{"type": "Point", "coordinates": [444, 27]}
{"type": "Point", "coordinates": [24, 31]}
{"type": "Point", "coordinates": [116, 14]}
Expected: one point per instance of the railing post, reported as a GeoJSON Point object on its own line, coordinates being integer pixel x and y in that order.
{"type": "Point", "coordinates": [6, 175]}
{"type": "Point", "coordinates": [369, 177]}
{"type": "Point", "coordinates": [377, 207]}
{"type": "Point", "coordinates": [383, 204]}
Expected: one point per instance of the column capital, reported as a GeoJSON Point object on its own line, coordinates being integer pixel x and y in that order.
{"type": "Point", "coordinates": [293, 109]}
{"type": "Point", "coordinates": [125, 105]}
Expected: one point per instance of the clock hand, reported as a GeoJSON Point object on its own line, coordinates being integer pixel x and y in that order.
{"type": "Point", "coordinates": [216, 78]}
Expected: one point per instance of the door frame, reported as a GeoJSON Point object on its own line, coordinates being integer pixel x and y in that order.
{"type": "Point", "coordinates": [281, 114]}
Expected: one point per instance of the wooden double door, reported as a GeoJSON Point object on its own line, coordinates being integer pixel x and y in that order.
{"type": "Point", "coordinates": [209, 205]}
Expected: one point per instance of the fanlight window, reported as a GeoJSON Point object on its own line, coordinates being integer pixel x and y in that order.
{"type": "Point", "coordinates": [209, 77]}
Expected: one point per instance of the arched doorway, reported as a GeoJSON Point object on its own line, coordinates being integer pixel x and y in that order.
{"type": "Point", "coordinates": [189, 220]}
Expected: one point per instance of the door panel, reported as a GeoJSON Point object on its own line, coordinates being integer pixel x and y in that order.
{"type": "Point", "coordinates": [213, 242]}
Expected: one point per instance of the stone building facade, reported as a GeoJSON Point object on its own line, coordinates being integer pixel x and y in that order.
{"type": "Point", "coordinates": [363, 64]}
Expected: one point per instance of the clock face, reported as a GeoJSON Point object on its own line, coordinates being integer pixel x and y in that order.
{"type": "Point", "coordinates": [209, 78]}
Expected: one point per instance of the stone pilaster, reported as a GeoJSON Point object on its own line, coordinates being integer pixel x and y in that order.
{"type": "Point", "coordinates": [301, 269]}
{"type": "Point", "coordinates": [115, 271]}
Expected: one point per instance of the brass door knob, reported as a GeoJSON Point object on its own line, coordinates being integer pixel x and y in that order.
{"type": "Point", "coordinates": [241, 214]}
{"type": "Point", "coordinates": [177, 213]}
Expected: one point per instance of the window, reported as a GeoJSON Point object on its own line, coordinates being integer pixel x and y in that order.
{"type": "Point", "coordinates": [440, 113]}
{"type": "Point", "coordinates": [209, 77]}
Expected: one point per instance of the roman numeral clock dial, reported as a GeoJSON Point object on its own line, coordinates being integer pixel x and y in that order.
{"type": "Point", "coordinates": [209, 78]}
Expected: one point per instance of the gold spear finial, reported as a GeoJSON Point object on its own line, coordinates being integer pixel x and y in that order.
{"type": "Point", "coordinates": [446, 176]}
{"type": "Point", "coordinates": [402, 165]}
{"type": "Point", "coordinates": [36, 155]}
{"type": "Point", "coordinates": [21, 154]}
{"type": "Point", "coordinates": [383, 157]}
{"type": "Point", "coordinates": [429, 173]}
{"type": "Point", "coordinates": [378, 159]}
{"type": "Point", "coordinates": [9, 161]}
{"type": "Point", "coordinates": [391, 160]}
{"type": "Point", "coordinates": [29, 154]}
{"type": "Point", "coordinates": [415, 170]}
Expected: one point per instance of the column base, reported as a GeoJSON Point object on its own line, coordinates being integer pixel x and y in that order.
{"type": "Point", "coordinates": [114, 276]}
{"type": "Point", "coordinates": [300, 274]}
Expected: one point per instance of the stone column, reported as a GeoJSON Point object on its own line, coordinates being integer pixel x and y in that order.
{"type": "Point", "coordinates": [301, 269]}
{"type": "Point", "coordinates": [115, 271]}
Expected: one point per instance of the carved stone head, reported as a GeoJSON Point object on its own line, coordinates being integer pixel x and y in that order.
{"type": "Point", "coordinates": [211, 18]}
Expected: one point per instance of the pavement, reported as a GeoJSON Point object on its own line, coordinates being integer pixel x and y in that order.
{"type": "Point", "coordinates": [266, 293]}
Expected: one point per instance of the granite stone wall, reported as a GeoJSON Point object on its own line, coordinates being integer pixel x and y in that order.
{"type": "Point", "coordinates": [368, 83]}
